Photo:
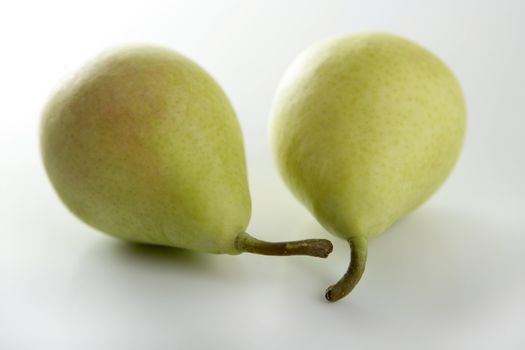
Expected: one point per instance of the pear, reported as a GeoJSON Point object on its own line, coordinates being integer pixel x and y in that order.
{"type": "Point", "coordinates": [364, 128]}
{"type": "Point", "coordinates": [143, 145]}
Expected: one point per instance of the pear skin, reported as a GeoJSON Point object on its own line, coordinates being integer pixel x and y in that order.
{"type": "Point", "coordinates": [144, 145]}
{"type": "Point", "coordinates": [364, 128]}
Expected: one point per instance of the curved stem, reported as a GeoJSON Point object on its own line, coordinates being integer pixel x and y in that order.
{"type": "Point", "coordinates": [313, 247]}
{"type": "Point", "coordinates": [358, 248]}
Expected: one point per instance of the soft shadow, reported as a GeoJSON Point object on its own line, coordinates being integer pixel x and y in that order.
{"type": "Point", "coordinates": [436, 264]}
{"type": "Point", "coordinates": [151, 289]}
{"type": "Point", "coordinates": [156, 260]}
{"type": "Point", "coordinates": [139, 277]}
{"type": "Point", "coordinates": [154, 254]}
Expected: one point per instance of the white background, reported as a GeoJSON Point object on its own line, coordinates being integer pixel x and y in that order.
{"type": "Point", "coordinates": [449, 276]}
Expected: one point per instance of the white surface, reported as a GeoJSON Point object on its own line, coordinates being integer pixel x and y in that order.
{"type": "Point", "coordinates": [450, 276]}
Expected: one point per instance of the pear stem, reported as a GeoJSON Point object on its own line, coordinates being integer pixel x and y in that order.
{"type": "Point", "coordinates": [313, 247]}
{"type": "Point", "coordinates": [358, 249]}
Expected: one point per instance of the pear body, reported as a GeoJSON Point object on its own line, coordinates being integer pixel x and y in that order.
{"type": "Point", "coordinates": [365, 128]}
{"type": "Point", "coordinates": [143, 145]}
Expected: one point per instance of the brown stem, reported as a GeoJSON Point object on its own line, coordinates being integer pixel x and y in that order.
{"type": "Point", "coordinates": [313, 247]}
{"type": "Point", "coordinates": [358, 248]}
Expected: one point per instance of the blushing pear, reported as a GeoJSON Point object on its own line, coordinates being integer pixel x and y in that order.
{"type": "Point", "coordinates": [364, 129]}
{"type": "Point", "coordinates": [143, 145]}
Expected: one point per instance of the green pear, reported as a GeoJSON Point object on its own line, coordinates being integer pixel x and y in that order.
{"type": "Point", "coordinates": [143, 145]}
{"type": "Point", "coordinates": [364, 129]}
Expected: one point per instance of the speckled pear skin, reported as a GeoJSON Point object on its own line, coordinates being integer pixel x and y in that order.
{"type": "Point", "coordinates": [365, 128]}
{"type": "Point", "coordinates": [143, 145]}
